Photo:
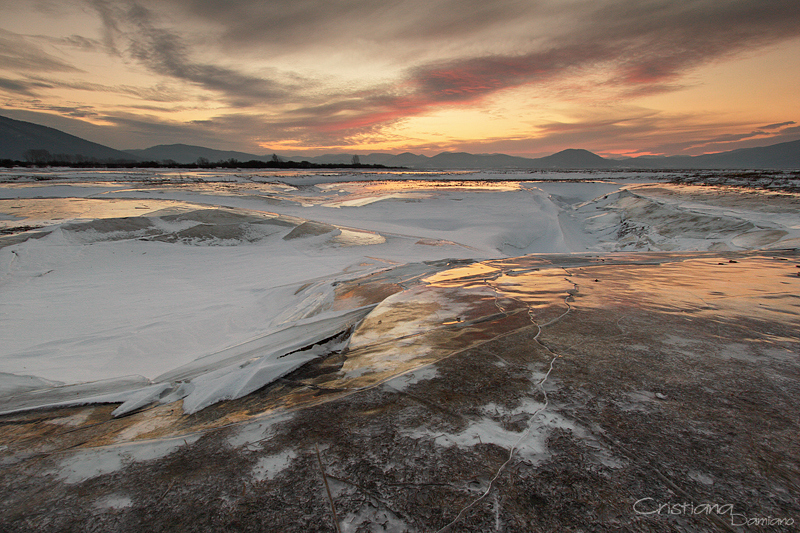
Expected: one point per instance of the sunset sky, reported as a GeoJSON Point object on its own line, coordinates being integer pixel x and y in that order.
{"type": "Point", "coordinates": [523, 77]}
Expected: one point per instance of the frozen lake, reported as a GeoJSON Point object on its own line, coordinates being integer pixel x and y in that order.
{"type": "Point", "coordinates": [397, 351]}
{"type": "Point", "coordinates": [136, 287]}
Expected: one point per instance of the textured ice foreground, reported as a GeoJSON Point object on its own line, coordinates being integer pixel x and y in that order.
{"type": "Point", "coordinates": [127, 292]}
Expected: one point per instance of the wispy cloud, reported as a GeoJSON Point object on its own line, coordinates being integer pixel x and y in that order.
{"type": "Point", "coordinates": [19, 55]}
{"type": "Point", "coordinates": [164, 52]}
{"type": "Point", "coordinates": [22, 87]}
{"type": "Point", "coordinates": [289, 25]}
{"type": "Point", "coordinates": [778, 125]}
{"type": "Point", "coordinates": [73, 41]}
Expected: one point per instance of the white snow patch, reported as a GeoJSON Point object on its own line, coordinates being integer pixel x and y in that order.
{"type": "Point", "coordinates": [90, 463]}
{"type": "Point", "coordinates": [373, 519]}
{"type": "Point", "coordinates": [13, 384]}
{"type": "Point", "coordinates": [226, 384]}
{"type": "Point", "coordinates": [488, 430]}
{"type": "Point", "coordinates": [252, 433]}
{"type": "Point", "coordinates": [403, 382]}
{"type": "Point", "coordinates": [349, 237]}
{"type": "Point", "coordinates": [74, 420]}
{"type": "Point", "coordinates": [114, 501]}
{"type": "Point", "coordinates": [268, 467]}
{"type": "Point", "coordinates": [701, 478]}
{"type": "Point", "coordinates": [359, 202]}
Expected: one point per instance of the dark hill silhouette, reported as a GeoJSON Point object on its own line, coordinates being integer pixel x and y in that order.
{"type": "Point", "coordinates": [574, 158]}
{"type": "Point", "coordinates": [17, 138]}
{"type": "Point", "coordinates": [782, 155]}
{"type": "Point", "coordinates": [567, 159]}
{"type": "Point", "coordinates": [407, 159]}
{"type": "Point", "coordinates": [187, 154]}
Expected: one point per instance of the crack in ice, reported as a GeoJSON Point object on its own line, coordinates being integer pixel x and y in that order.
{"type": "Point", "coordinates": [539, 385]}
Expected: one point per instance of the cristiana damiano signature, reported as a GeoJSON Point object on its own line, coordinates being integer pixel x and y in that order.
{"type": "Point", "coordinates": [650, 507]}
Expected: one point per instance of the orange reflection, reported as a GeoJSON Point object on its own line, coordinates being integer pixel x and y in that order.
{"type": "Point", "coordinates": [42, 210]}
{"type": "Point", "coordinates": [710, 286]}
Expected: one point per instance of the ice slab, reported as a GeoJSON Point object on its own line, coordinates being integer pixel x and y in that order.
{"type": "Point", "coordinates": [227, 375]}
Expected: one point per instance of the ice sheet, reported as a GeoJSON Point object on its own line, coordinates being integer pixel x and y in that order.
{"type": "Point", "coordinates": [201, 284]}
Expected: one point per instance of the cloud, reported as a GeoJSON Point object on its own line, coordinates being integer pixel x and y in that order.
{"type": "Point", "coordinates": [778, 125]}
{"type": "Point", "coordinates": [289, 25]}
{"type": "Point", "coordinates": [643, 47]}
{"type": "Point", "coordinates": [639, 47]}
{"type": "Point", "coordinates": [77, 111]}
{"type": "Point", "coordinates": [446, 83]}
{"type": "Point", "coordinates": [30, 85]}
{"type": "Point", "coordinates": [472, 79]}
{"type": "Point", "coordinates": [78, 42]}
{"type": "Point", "coordinates": [164, 52]}
{"type": "Point", "coordinates": [639, 131]}
{"type": "Point", "coordinates": [21, 87]}
{"type": "Point", "coordinates": [19, 55]}
{"type": "Point", "coordinates": [106, 11]}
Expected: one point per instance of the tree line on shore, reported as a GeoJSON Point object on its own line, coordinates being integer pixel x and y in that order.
{"type": "Point", "coordinates": [43, 158]}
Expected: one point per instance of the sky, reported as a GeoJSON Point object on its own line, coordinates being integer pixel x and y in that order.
{"type": "Point", "coordinates": [522, 77]}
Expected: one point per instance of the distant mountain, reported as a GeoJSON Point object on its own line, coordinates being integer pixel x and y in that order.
{"type": "Point", "coordinates": [572, 158]}
{"type": "Point", "coordinates": [18, 138]}
{"type": "Point", "coordinates": [326, 159]}
{"type": "Point", "coordinates": [655, 162]}
{"type": "Point", "coordinates": [464, 160]}
{"type": "Point", "coordinates": [779, 156]}
{"type": "Point", "coordinates": [376, 158]}
{"type": "Point", "coordinates": [186, 154]}
{"type": "Point", "coordinates": [457, 160]}
{"type": "Point", "coordinates": [407, 159]}
{"type": "Point", "coordinates": [783, 155]}
{"type": "Point", "coordinates": [461, 160]}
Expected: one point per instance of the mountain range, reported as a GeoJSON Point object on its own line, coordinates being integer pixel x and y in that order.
{"type": "Point", "coordinates": [22, 141]}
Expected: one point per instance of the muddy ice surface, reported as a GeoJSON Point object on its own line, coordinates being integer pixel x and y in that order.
{"type": "Point", "coordinates": [644, 354]}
